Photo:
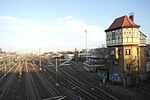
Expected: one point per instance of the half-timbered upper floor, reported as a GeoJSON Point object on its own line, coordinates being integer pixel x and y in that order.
{"type": "Point", "coordinates": [123, 31]}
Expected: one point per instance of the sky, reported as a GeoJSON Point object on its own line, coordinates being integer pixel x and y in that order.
{"type": "Point", "coordinates": [59, 25]}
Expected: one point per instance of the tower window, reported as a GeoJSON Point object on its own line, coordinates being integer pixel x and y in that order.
{"type": "Point", "coordinates": [127, 51]}
{"type": "Point", "coordinates": [113, 36]}
{"type": "Point", "coordinates": [112, 52]}
{"type": "Point", "coordinates": [120, 51]}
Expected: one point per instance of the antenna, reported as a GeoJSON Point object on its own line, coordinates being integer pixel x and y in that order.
{"type": "Point", "coordinates": [132, 13]}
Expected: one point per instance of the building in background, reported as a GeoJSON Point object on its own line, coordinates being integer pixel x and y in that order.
{"type": "Point", "coordinates": [2, 53]}
{"type": "Point", "coordinates": [148, 52]}
{"type": "Point", "coordinates": [0, 50]}
{"type": "Point", "coordinates": [127, 45]}
{"type": "Point", "coordinates": [97, 63]}
{"type": "Point", "coordinates": [148, 60]}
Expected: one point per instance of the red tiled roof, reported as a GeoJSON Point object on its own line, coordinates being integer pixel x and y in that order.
{"type": "Point", "coordinates": [121, 22]}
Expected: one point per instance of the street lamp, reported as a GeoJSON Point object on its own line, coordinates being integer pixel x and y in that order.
{"type": "Point", "coordinates": [86, 43]}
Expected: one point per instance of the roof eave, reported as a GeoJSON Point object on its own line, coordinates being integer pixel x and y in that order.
{"type": "Point", "coordinates": [107, 30]}
{"type": "Point", "coordinates": [135, 26]}
{"type": "Point", "coordinates": [142, 33]}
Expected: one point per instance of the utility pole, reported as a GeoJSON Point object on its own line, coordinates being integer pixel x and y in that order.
{"type": "Point", "coordinates": [5, 68]}
{"type": "Point", "coordinates": [9, 61]}
{"type": "Point", "coordinates": [56, 69]}
{"type": "Point", "coordinates": [40, 58]}
{"type": "Point", "coordinates": [57, 84]}
{"type": "Point", "coordinates": [76, 56]}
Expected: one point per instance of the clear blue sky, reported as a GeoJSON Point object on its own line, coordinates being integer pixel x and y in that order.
{"type": "Point", "coordinates": [26, 25]}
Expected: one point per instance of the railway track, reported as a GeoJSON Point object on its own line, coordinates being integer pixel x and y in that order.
{"type": "Point", "coordinates": [5, 88]}
{"type": "Point", "coordinates": [50, 89]}
{"type": "Point", "coordinates": [31, 89]}
{"type": "Point", "coordinates": [82, 84]}
{"type": "Point", "coordinates": [83, 88]}
{"type": "Point", "coordinates": [105, 92]}
{"type": "Point", "coordinates": [76, 83]}
{"type": "Point", "coordinates": [49, 70]}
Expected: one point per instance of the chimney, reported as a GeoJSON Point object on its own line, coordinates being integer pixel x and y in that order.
{"type": "Point", "coordinates": [131, 16]}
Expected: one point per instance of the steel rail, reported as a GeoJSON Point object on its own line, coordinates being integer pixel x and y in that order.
{"type": "Point", "coordinates": [46, 84]}
{"type": "Point", "coordinates": [102, 90]}
{"type": "Point", "coordinates": [81, 89]}
{"type": "Point", "coordinates": [7, 85]}
{"type": "Point", "coordinates": [32, 93]}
